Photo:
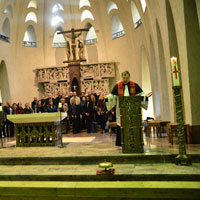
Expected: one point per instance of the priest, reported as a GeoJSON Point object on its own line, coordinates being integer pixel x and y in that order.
{"type": "Point", "coordinates": [125, 87]}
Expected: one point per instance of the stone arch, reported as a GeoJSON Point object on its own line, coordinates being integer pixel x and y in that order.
{"type": "Point", "coordinates": [5, 30]}
{"type": "Point", "coordinates": [58, 39]}
{"type": "Point", "coordinates": [57, 7]}
{"type": "Point", "coordinates": [30, 37]}
{"type": "Point", "coordinates": [173, 45]}
{"type": "Point", "coordinates": [135, 15]}
{"type": "Point", "coordinates": [91, 50]}
{"type": "Point", "coordinates": [111, 5]}
{"type": "Point", "coordinates": [4, 83]}
{"type": "Point", "coordinates": [193, 49]}
{"type": "Point", "coordinates": [32, 4]}
{"type": "Point", "coordinates": [8, 10]}
{"type": "Point", "coordinates": [154, 78]}
{"type": "Point", "coordinates": [31, 16]}
{"type": "Point", "coordinates": [83, 3]}
{"type": "Point", "coordinates": [146, 83]}
{"type": "Point", "coordinates": [86, 14]}
{"type": "Point", "coordinates": [117, 27]}
{"type": "Point", "coordinates": [163, 76]}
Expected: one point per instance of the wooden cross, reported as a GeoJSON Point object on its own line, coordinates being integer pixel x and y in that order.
{"type": "Point", "coordinates": [73, 36]}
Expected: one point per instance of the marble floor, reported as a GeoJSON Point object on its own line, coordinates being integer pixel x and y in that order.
{"type": "Point", "coordinates": [92, 145]}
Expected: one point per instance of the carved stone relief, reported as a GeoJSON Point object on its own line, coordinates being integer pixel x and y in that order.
{"type": "Point", "coordinates": [53, 74]}
{"type": "Point", "coordinates": [96, 85]}
{"type": "Point", "coordinates": [53, 88]}
{"type": "Point", "coordinates": [57, 79]}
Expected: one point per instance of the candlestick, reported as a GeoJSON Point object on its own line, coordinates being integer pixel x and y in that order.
{"type": "Point", "coordinates": [175, 72]}
{"type": "Point", "coordinates": [60, 105]}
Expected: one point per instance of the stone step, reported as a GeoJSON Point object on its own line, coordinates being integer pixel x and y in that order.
{"type": "Point", "coordinates": [123, 158]}
{"type": "Point", "coordinates": [123, 172]}
{"type": "Point", "coordinates": [34, 190]}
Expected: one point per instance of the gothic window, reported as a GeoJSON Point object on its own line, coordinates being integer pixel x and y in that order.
{"type": "Point", "coordinates": [8, 10]}
{"type": "Point", "coordinates": [57, 7]}
{"type": "Point", "coordinates": [30, 37]}
{"type": "Point", "coordinates": [83, 3]}
{"type": "Point", "coordinates": [135, 15]}
{"type": "Point", "coordinates": [5, 31]}
{"type": "Point", "coordinates": [90, 37]}
{"type": "Point", "coordinates": [86, 14]}
{"type": "Point", "coordinates": [143, 4]}
{"type": "Point", "coordinates": [31, 16]}
{"type": "Point", "coordinates": [58, 40]}
{"type": "Point", "coordinates": [32, 4]}
{"type": "Point", "coordinates": [57, 20]}
{"type": "Point", "coordinates": [117, 27]}
{"type": "Point", "coordinates": [111, 6]}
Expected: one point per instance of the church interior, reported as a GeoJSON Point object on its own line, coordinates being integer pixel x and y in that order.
{"type": "Point", "coordinates": [70, 49]}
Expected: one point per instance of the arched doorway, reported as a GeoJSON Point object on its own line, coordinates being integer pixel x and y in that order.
{"type": "Point", "coordinates": [4, 83]}
{"type": "Point", "coordinates": [75, 86]}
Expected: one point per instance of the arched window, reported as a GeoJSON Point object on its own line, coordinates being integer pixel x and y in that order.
{"type": "Point", "coordinates": [135, 15]}
{"type": "Point", "coordinates": [111, 6]}
{"type": "Point", "coordinates": [90, 37]}
{"type": "Point", "coordinates": [8, 10]}
{"type": "Point", "coordinates": [57, 20]}
{"type": "Point", "coordinates": [32, 4]}
{"type": "Point", "coordinates": [86, 14]}
{"type": "Point", "coordinates": [143, 4]}
{"type": "Point", "coordinates": [31, 16]}
{"type": "Point", "coordinates": [84, 3]}
{"type": "Point", "coordinates": [57, 7]}
{"type": "Point", "coordinates": [58, 40]}
{"type": "Point", "coordinates": [5, 31]}
{"type": "Point", "coordinates": [117, 28]}
{"type": "Point", "coordinates": [30, 37]}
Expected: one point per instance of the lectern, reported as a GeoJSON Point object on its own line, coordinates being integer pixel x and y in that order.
{"type": "Point", "coordinates": [131, 124]}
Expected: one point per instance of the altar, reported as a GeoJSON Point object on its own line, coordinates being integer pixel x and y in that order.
{"type": "Point", "coordinates": [42, 129]}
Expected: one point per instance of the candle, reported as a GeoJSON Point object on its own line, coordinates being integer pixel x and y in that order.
{"type": "Point", "coordinates": [60, 105]}
{"type": "Point", "coordinates": [0, 108]}
{"type": "Point", "coordinates": [175, 72]}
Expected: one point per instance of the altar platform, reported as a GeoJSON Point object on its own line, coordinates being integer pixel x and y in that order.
{"type": "Point", "coordinates": [70, 172]}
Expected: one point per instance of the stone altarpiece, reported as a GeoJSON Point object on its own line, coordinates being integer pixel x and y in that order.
{"type": "Point", "coordinates": [76, 76]}
{"type": "Point", "coordinates": [92, 77]}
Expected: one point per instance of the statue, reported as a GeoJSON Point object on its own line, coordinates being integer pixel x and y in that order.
{"type": "Point", "coordinates": [73, 34]}
{"type": "Point", "coordinates": [73, 45]}
{"type": "Point", "coordinates": [68, 52]}
{"type": "Point", "coordinates": [80, 46]}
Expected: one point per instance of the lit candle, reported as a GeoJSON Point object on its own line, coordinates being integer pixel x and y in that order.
{"type": "Point", "coordinates": [0, 108]}
{"type": "Point", "coordinates": [60, 105]}
{"type": "Point", "coordinates": [175, 72]}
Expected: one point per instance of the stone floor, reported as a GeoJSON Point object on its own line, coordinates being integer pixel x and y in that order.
{"type": "Point", "coordinates": [100, 144]}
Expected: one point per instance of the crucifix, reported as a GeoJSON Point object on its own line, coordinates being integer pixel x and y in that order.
{"type": "Point", "coordinates": [73, 34]}
{"type": "Point", "coordinates": [74, 86]}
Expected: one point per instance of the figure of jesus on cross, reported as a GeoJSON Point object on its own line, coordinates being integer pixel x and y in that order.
{"type": "Point", "coordinates": [73, 34]}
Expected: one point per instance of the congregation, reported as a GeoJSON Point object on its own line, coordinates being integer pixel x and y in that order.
{"type": "Point", "coordinates": [83, 113]}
